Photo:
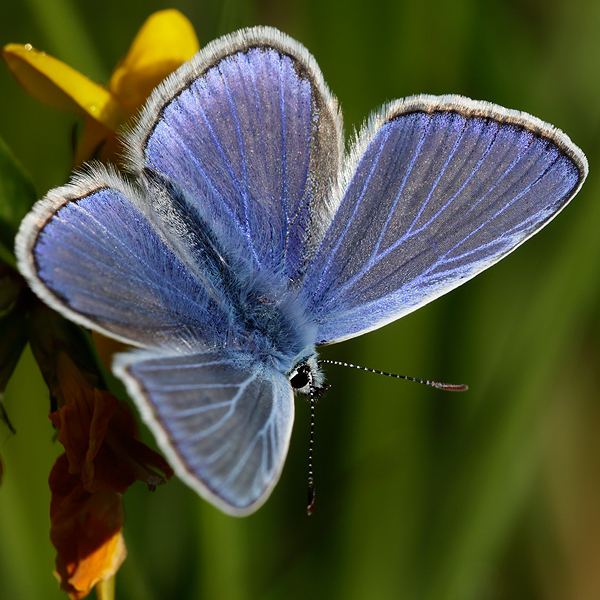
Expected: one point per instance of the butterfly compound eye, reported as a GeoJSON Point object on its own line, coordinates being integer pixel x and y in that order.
{"type": "Point", "coordinates": [301, 378]}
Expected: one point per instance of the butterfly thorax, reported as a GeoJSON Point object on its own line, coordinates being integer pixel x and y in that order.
{"type": "Point", "coordinates": [271, 325]}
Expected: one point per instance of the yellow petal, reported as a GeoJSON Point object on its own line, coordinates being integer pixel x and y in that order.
{"type": "Point", "coordinates": [165, 41]}
{"type": "Point", "coordinates": [97, 142]}
{"type": "Point", "coordinates": [52, 82]}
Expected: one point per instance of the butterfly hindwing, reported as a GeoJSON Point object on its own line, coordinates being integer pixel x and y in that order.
{"type": "Point", "coordinates": [250, 119]}
{"type": "Point", "coordinates": [438, 190]}
{"type": "Point", "coordinates": [224, 422]}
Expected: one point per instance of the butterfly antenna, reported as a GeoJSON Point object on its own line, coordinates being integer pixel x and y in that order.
{"type": "Point", "coordinates": [450, 387]}
{"type": "Point", "coordinates": [311, 486]}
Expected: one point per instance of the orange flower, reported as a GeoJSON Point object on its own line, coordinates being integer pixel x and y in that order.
{"type": "Point", "coordinates": [85, 529]}
{"type": "Point", "coordinates": [103, 457]}
{"type": "Point", "coordinates": [165, 41]}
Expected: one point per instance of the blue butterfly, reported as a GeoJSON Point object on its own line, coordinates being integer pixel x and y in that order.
{"type": "Point", "coordinates": [245, 237]}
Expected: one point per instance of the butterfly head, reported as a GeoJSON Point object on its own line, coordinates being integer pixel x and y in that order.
{"type": "Point", "coordinates": [307, 377]}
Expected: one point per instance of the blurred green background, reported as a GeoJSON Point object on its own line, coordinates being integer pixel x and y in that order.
{"type": "Point", "coordinates": [492, 494]}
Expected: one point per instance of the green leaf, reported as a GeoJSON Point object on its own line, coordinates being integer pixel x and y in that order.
{"type": "Point", "coordinates": [13, 337]}
{"type": "Point", "coordinates": [17, 195]}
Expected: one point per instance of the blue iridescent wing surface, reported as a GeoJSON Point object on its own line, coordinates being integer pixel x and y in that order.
{"type": "Point", "coordinates": [438, 189]}
{"type": "Point", "coordinates": [89, 252]}
{"type": "Point", "coordinates": [249, 129]}
{"type": "Point", "coordinates": [224, 423]}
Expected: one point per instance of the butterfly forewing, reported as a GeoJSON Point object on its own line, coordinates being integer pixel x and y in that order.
{"type": "Point", "coordinates": [445, 188]}
{"type": "Point", "coordinates": [225, 423]}
{"type": "Point", "coordinates": [251, 119]}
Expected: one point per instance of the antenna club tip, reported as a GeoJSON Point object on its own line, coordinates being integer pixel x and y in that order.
{"type": "Point", "coordinates": [451, 387]}
{"type": "Point", "coordinates": [463, 387]}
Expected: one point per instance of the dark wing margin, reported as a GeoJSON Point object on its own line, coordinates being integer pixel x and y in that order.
{"type": "Point", "coordinates": [435, 190]}
{"type": "Point", "coordinates": [224, 425]}
{"type": "Point", "coordinates": [251, 119]}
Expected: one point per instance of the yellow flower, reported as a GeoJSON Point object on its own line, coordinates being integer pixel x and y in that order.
{"type": "Point", "coordinates": [165, 41]}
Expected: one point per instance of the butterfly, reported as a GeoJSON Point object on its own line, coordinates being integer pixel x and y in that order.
{"type": "Point", "coordinates": [244, 237]}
